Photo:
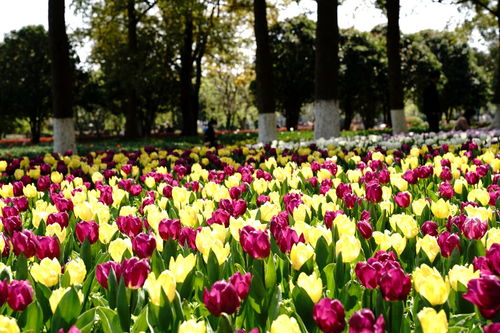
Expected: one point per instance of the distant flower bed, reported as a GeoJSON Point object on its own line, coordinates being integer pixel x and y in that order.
{"type": "Point", "coordinates": [361, 234]}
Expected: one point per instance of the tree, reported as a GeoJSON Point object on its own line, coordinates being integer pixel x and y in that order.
{"type": "Point", "coordinates": [326, 109]}
{"type": "Point", "coordinates": [292, 45]}
{"type": "Point", "coordinates": [25, 79]}
{"type": "Point", "coordinates": [362, 77]}
{"type": "Point", "coordinates": [264, 71]}
{"type": "Point", "coordinates": [396, 101]}
{"type": "Point", "coordinates": [62, 80]}
{"type": "Point", "coordinates": [490, 8]}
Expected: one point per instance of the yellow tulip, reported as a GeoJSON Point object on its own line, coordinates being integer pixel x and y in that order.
{"type": "Point", "coordinates": [312, 284]}
{"type": "Point", "coordinates": [8, 325]}
{"type": "Point", "coordinates": [440, 209]}
{"type": "Point", "coordinates": [30, 191]}
{"type": "Point", "coordinates": [106, 232]}
{"type": "Point", "coordinates": [430, 246]}
{"type": "Point", "coordinates": [480, 195]}
{"type": "Point", "coordinates": [419, 205]}
{"type": "Point", "coordinates": [462, 274]}
{"type": "Point", "coordinates": [3, 166]}
{"type": "Point", "coordinates": [77, 271]}
{"type": "Point", "coordinates": [268, 210]}
{"type": "Point", "coordinates": [349, 246]}
{"type": "Point", "coordinates": [405, 223]}
{"type": "Point", "coordinates": [432, 321]}
{"type": "Point", "coordinates": [285, 324]}
{"type": "Point", "coordinates": [46, 272]}
{"type": "Point", "coordinates": [429, 283]}
{"type": "Point", "coordinates": [299, 254]}
{"type": "Point", "coordinates": [84, 211]}
{"type": "Point", "coordinates": [182, 266]}
{"type": "Point", "coordinates": [165, 281]}
{"type": "Point", "coordinates": [118, 247]}
{"type": "Point", "coordinates": [57, 295]}
{"type": "Point", "coordinates": [55, 229]}
{"type": "Point", "coordinates": [459, 185]}
{"type": "Point", "coordinates": [491, 237]}
{"type": "Point", "coordinates": [193, 326]}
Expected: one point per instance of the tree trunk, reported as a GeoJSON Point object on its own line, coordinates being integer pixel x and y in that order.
{"type": "Point", "coordinates": [496, 99]}
{"type": "Point", "coordinates": [264, 71]}
{"type": "Point", "coordinates": [189, 114]}
{"type": "Point", "coordinates": [62, 79]}
{"type": "Point", "coordinates": [326, 107]}
{"type": "Point", "coordinates": [394, 56]}
{"type": "Point", "coordinates": [35, 125]}
{"type": "Point", "coordinates": [349, 114]}
{"type": "Point", "coordinates": [292, 111]}
{"type": "Point", "coordinates": [132, 124]}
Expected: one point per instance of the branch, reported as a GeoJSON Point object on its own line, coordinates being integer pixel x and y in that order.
{"type": "Point", "coordinates": [479, 3]}
{"type": "Point", "coordinates": [150, 5]}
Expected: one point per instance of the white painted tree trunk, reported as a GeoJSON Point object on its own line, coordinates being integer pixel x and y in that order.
{"type": "Point", "coordinates": [398, 121]}
{"type": "Point", "coordinates": [496, 121]}
{"type": "Point", "coordinates": [267, 127]}
{"type": "Point", "coordinates": [64, 135]}
{"type": "Point", "coordinates": [326, 119]}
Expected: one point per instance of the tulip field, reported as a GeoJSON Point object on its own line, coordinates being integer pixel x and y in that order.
{"type": "Point", "coordinates": [361, 234]}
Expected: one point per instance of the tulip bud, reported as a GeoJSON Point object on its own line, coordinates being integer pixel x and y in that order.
{"type": "Point", "coordinates": [48, 247]}
{"type": "Point", "coordinates": [61, 218]}
{"type": "Point", "coordinates": [367, 275]}
{"type": "Point", "coordinates": [329, 315]}
{"type": "Point", "coordinates": [192, 326]}
{"type": "Point", "coordinates": [135, 272]}
{"type": "Point", "coordinates": [394, 284]}
{"type": "Point", "coordinates": [129, 225]}
{"type": "Point", "coordinates": [429, 228]}
{"type": "Point", "coordinates": [169, 229]}
{"type": "Point", "coordinates": [493, 256]}
{"type": "Point", "coordinates": [484, 293]}
{"type": "Point", "coordinates": [103, 270]}
{"type": "Point", "coordinates": [432, 321]}
{"type": "Point", "coordinates": [255, 243]}
{"type": "Point", "coordinates": [285, 324]}
{"type": "Point", "coordinates": [448, 242]}
{"type": "Point", "coordinates": [402, 199]}
{"type": "Point", "coordinates": [24, 242]}
{"type": "Point", "coordinates": [365, 228]}
{"type": "Point", "coordinates": [20, 295]}
{"type": "Point", "coordinates": [144, 245]}
{"type": "Point", "coordinates": [363, 321]}
{"type": "Point", "coordinates": [241, 283]}
{"type": "Point", "coordinates": [474, 228]}
{"type": "Point", "coordinates": [4, 291]}
{"type": "Point", "coordinates": [87, 230]}
{"type": "Point", "coordinates": [222, 297]}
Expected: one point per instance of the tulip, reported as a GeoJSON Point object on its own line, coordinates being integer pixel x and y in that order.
{"type": "Point", "coordinates": [24, 242]}
{"type": "Point", "coordinates": [46, 272]}
{"type": "Point", "coordinates": [432, 321]}
{"type": "Point", "coordinates": [144, 245]}
{"type": "Point", "coordinates": [220, 216]}
{"type": "Point", "coordinates": [135, 272]}
{"type": "Point", "coordinates": [87, 230]}
{"type": "Point", "coordinates": [239, 208]}
{"type": "Point", "coordinates": [484, 293]}
{"type": "Point", "coordinates": [76, 270]}
{"type": "Point", "coordinates": [48, 247]}
{"type": "Point", "coordinates": [20, 295]}
{"type": "Point", "coordinates": [222, 297]}
{"type": "Point", "coordinates": [192, 326]}
{"type": "Point", "coordinates": [430, 285]}
{"type": "Point", "coordinates": [373, 192]}
{"type": "Point", "coordinates": [241, 283]}
{"type": "Point", "coordinates": [72, 329]}
{"type": "Point", "coordinates": [4, 291]}
{"type": "Point", "coordinates": [129, 225]}
{"type": "Point", "coordinates": [363, 321]}
{"type": "Point", "coordinates": [182, 266]}
{"type": "Point", "coordinates": [154, 286]}
{"type": "Point", "coordinates": [255, 243]}
{"type": "Point", "coordinates": [440, 209]}
{"type": "Point", "coordinates": [103, 270]}
{"type": "Point", "coordinates": [187, 236]}
{"type": "Point", "coordinates": [492, 328]}
{"type": "Point", "coordinates": [365, 229]}
{"type": "Point", "coordinates": [429, 228]}
{"type": "Point", "coordinates": [8, 325]}
{"type": "Point", "coordinates": [462, 274]}
{"type": "Point", "coordinates": [429, 245]}
{"type": "Point", "coordinates": [448, 242]}
{"type": "Point", "coordinates": [169, 229]}
{"type": "Point", "coordinates": [312, 285]}
{"type": "Point", "coordinates": [285, 324]}
{"type": "Point", "coordinates": [474, 228]}
{"type": "Point", "coordinates": [472, 178]}
{"type": "Point", "coordinates": [394, 284]}
{"type": "Point", "coordinates": [286, 238]}
{"type": "Point", "coordinates": [118, 247]}
{"type": "Point", "coordinates": [61, 218]}
{"type": "Point", "coordinates": [329, 315]}
{"type": "Point", "coordinates": [367, 275]}
{"type": "Point", "coordinates": [349, 246]}
{"type": "Point", "coordinates": [493, 256]}
{"type": "Point", "coordinates": [299, 254]}
{"type": "Point", "coordinates": [402, 199]}
{"type": "Point", "coordinates": [57, 295]}
{"type": "Point", "coordinates": [446, 190]}
{"type": "Point", "coordinates": [12, 224]}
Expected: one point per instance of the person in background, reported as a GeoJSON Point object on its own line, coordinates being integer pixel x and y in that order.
{"type": "Point", "coordinates": [210, 139]}
{"type": "Point", "coordinates": [431, 107]}
{"type": "Point", "coordinates": [465, 120]}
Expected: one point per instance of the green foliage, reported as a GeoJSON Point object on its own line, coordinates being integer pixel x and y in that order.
{"type": "Point", "coordinates": [25, 79]}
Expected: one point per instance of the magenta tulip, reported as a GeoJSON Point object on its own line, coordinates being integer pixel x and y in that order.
{"type": "Point", "coordinates": [222, 297]}
{"type": "Point", "coordinates": [329, 315]}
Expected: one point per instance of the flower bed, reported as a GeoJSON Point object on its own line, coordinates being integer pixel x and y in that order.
{"type": "Point", "coordinates": [364, 234]}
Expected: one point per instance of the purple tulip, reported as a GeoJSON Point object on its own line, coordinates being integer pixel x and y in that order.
{"type": "Point", "coordinates": [367, 275]}
{"type": "Point", "coordinates": [4, 291]}
{"type": "Point", "coordinates": [135, 272]}
{"type": "Point", "coordinates": [12, 224]}
{"type": "Point", "coordinates": [169, 229]}
{"type": "Point", "coordinates": [402, 199]}
{"type": "Point", "coordinates": [239, 207]}
{"type": "Point", "coordinates": [129, 225]}
{"type": "Point", "coordinates": [61, 218]}
{"type": "Point", "coordinates": [48, 247]}
{"type": "Point", "coordinates": [492, 328]}
{"type": "Point", "coordinates": [144, 245]}
{"type": "Point", "coordinates": [373, 192]}
{"type": "Point", "coordinates": [448, 242]}
{"type": "Point", "coordinates": [474, 228]}
{"type": "Point", "coordinates": [343, 189]}
{"type": "Point", "coordinates": [363, 321]}
{"type": "Point", "coordinates": [365, 228]}
{"type": "Point", "coordinates": [241, 283]}
{"type": "Point", "coordinates": [222, 297]}
{"type": "Point", "coordinates": [493, 256]}
{"type": "Point", "coordinates": [24, 242]}
{"type": "Point", "coordinates": [329, 315]}
{"type": "Point", "coordinates": [20, 295]}
{"type": "Point", "coordinates": [472, 178]}
{"type": "Point", "coordinates": [286, 238]}
{"type": "Point", "coordinates": [103, 270]}
{"type": "Point", "coordinates": [429, 228]}
{"type": "Point", "coordinates": [87, 230]}
{"type": "Point", "coordinates": [484, 293]}
{"type": "Point", "coordinates": [394, 284]}
{"type": "Point", "coordinates": [220, 216]}
{"type": "Point", "coordinates": [254, 242]}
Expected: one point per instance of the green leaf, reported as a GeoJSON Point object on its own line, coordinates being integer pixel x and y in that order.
{"type": "Point", "coordinates": [112, 289]}
{"type": "Point", "coordinates": [86, 254]}
{"type": "Point", "coordinates": [109, 320]}
{"type": "Point", "coordinates": [322, 252]}
{"type": "Point", "coordinates": [270, 273]}
{"type": "Point", "coordinates": [225, 324]}
{"type": "Point", "coordinates": [67, 310]}
{"type": "Point", "coordinates": [86, 320]}
{"type": "Point", "coordinates": [122, 306]}
{"type": "Point", "coordinates": [212, 267]}
{"type": "Point", "coordinates": [32, 318]}
{"type": "Point", "coordinates": [21, 267]}
{"type": "Point", "coordinates": [141, 322]}
{"type": "Point", "coordinates": [304, 306]}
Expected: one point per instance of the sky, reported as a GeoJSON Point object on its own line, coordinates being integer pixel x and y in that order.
{"type": "Point", "coordinates": [415, 15]}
